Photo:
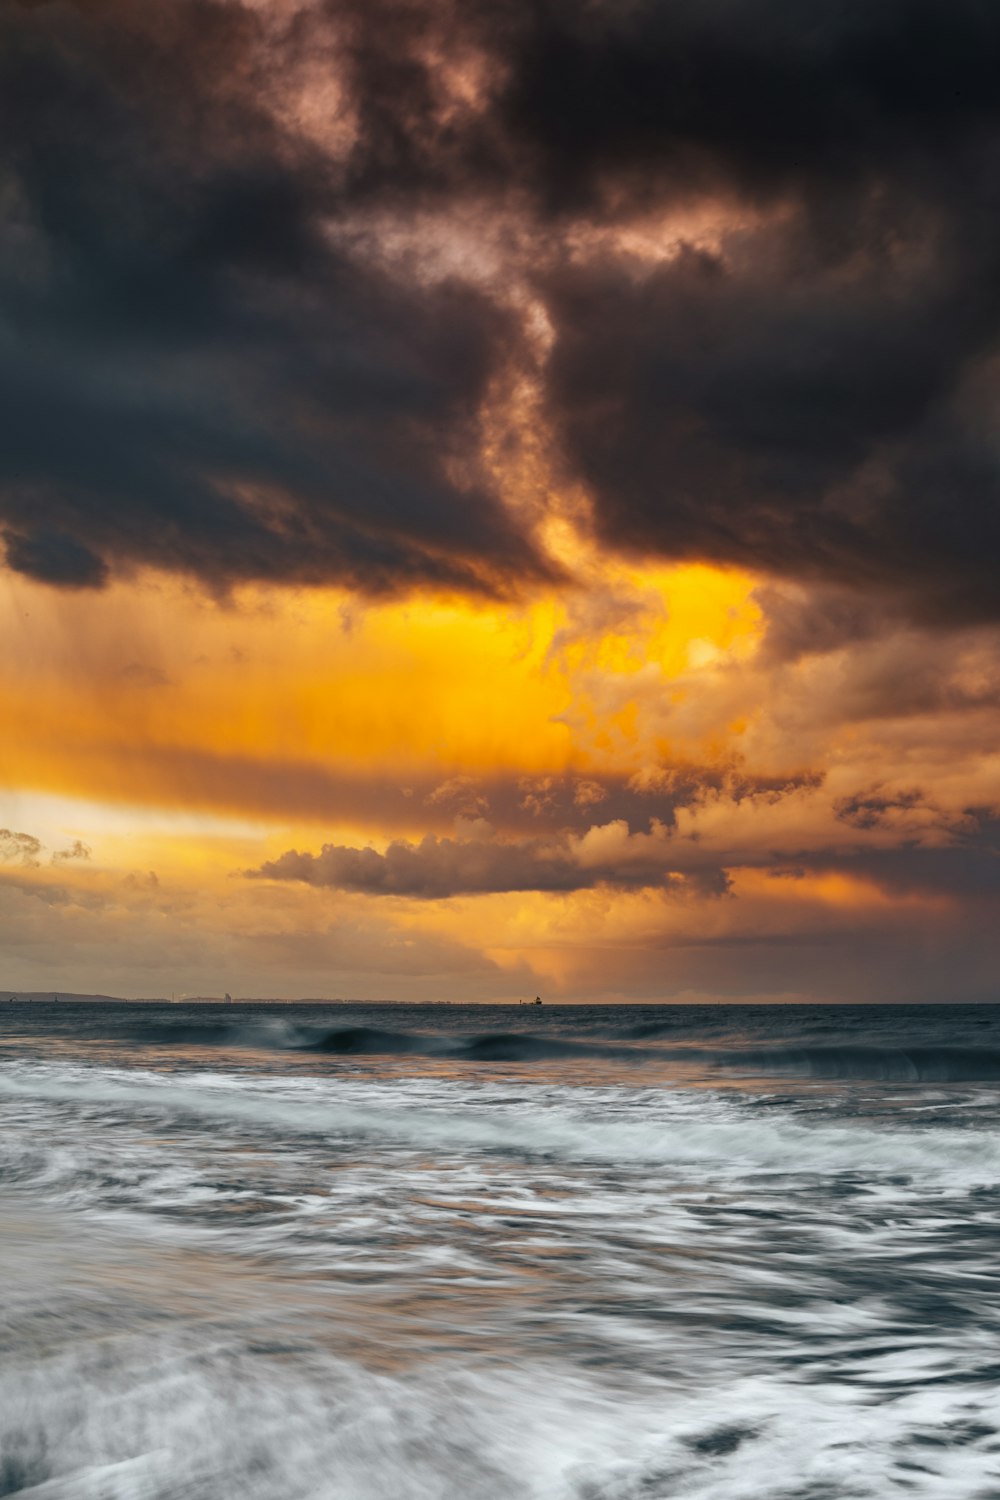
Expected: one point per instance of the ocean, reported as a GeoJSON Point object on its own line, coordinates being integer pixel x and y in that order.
{"type": "Point", "coordinates": [360, 1252]}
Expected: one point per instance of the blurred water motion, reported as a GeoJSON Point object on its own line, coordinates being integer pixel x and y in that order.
{"type": "Point", "coordinates": [603, 1253]}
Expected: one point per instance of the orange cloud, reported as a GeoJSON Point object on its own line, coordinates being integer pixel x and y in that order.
{"type": "Point", "coordinates": [135, 693]}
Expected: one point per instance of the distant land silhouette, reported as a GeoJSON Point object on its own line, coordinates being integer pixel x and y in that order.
{"type": "Point", "coordinates": [50, 995]}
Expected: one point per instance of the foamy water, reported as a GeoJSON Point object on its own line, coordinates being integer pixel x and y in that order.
{"type": "Point", "coordinates": [442, 1252]}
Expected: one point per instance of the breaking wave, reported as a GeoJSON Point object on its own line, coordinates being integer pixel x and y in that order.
{"type": "Point", "coordinates": [500, 1046]}
{"type": "Point", "coordinates": [645, 1042]}
{"type": "Point", "coordinates": [359, 1040]}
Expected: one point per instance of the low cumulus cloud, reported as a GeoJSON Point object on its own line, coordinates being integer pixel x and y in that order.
{"type": "Point", "coordinates": [25, 849]}
{"type": "Point", "coordinates": [19, 848]}
{"type": "Point", "coordinates": [77, 850]}
{"type": "Point", "coordinates": [436, 868]}
{"type": "Point", "coordinates": [894, 838]}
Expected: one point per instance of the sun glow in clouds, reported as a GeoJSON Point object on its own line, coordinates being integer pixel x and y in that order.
{"type": "Point", "coordinates": [116, 693]}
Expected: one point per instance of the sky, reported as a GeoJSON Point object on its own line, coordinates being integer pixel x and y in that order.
{"type": "Point", "coordinates": [500, 498]}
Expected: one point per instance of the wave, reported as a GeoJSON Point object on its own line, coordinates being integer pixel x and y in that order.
{"type": "Point", "coordinates": [724, 1140]}
{"type": "Point", "coordinates": [642, 1043]}
{"type": "Point", "coordinates": [360, 1040]}
{"type": "Point", "coordinates": [500, 1046]}
{"type": "Point", "coordinates": [916, 1064]}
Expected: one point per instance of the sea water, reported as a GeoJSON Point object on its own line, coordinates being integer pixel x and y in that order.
{"type": "Point", "coordinates": [358, 1252]}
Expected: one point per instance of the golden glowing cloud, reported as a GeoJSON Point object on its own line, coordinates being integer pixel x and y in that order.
{"type": "Point", "coordinates": [128, 694]}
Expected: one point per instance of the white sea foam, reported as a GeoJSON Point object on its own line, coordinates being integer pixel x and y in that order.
{"type": "Point", "coordinates": [164, 1418]}
{"type": "Point", "coordinates": [685, 1136]}
{"type": "Point", "coordinates": [278, 1278]}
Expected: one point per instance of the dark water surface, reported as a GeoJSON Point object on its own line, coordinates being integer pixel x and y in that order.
{"type": "Point", "coordinates": [481, 1253]}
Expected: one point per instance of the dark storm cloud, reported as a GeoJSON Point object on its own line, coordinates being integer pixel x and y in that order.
{"type": "Point", "coordinates": [596, 108]}
{"type": "Point", "coordinates": [811, 397]}
{"type": "Point", "coordinates": [874, 809]}
{"type": "Point", "coordinates": [764, 96]}
{"type": "Point", "coordinates": [191, 375]}
{"type": "Point", "coordinates": [814, 623]}
{"type": "Point", "coordinates": [798, 420]}
{"type": "Point", "coordinates": [815, 397]}
{"type": "Point", "coordinates": [201, 367]}
{"type": "Point", "coordinates": [437, 868]}
{"type": "Point", "coordinates": [54, 557]}
{"type": "Point", "coordinates": [967, 867]}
